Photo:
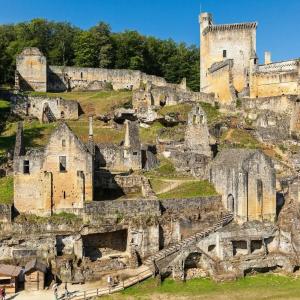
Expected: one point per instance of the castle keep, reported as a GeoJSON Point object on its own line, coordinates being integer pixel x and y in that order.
{"type": "Point", "coordinates": [229, 66]}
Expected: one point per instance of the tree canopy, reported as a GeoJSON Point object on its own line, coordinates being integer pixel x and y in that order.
{"type": "Point", "coordinates": [64, 44]}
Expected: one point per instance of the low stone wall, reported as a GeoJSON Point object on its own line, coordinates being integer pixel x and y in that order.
{"type": "Point", "coordinates": [124, 208]}
{"type": "Point", "coordinates": [197, 204]}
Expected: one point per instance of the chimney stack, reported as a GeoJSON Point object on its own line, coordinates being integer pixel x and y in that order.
{"type": "Point", "coordinates": [268, 59]}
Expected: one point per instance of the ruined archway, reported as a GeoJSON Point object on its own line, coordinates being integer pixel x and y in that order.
{"type": "Point", "coordinates": [192, 263]}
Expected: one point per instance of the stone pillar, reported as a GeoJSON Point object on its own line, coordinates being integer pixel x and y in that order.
{"type": "Point", "coordinates": [178, 270]}
{"type": "Point", "coordinates": [78, 247]}
{"type": "Point", "coordinates": [248, 246]}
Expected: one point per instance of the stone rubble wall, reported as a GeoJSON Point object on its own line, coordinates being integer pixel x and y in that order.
{"type": "Point", "coordinates": [34, 106]}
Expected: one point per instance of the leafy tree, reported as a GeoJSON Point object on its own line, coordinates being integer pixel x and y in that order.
{"type": "Point", "coordinates": [64, 44]}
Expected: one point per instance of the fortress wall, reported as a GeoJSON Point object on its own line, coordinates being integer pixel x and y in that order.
{"type": "Point", "coordinates": [275, 83]}
{"type": "Point", "coordinates": [83, 77]}
{"type": "Point", "coordinates": [220, 84]}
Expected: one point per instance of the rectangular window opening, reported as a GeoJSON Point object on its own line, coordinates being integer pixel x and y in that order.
{"type": "Point", "coordinates": [63, 143]}
{"type": "Point", "coordinates": [62, 164]}
{"type": "Point", "coordinates": [224, 53]}
{"type": "Point", "coordinates": [26, 166]}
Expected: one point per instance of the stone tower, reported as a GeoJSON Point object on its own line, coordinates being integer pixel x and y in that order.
{"type": "Point", "coordinates": [225, 52]}
{"type": "Point", "coordinates": [31, 70]}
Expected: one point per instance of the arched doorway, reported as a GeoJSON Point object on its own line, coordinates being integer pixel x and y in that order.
{"type": "Point", "coordinates": [230, 203]}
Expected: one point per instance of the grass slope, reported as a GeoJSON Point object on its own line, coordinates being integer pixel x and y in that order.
{"type": "Point", "coordinates": [190, 189]}
{"type": "Point", "coordinates": [259, 287]}
{"type": "Point", "coordinates": [6, 190]}
{"type": "Point", "coordinates": [101, 102]}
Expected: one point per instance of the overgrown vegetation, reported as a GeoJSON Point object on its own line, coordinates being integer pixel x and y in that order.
{"type": "Point", "coordinates": [64, 44]}
{"type": "Point", "coordinates": [6, 190]}
{"type": "Point", "coordinates": [258, 287]}
{"type": "Point", "coordinates": [190, 189]}
{"type": "Point", "coordinates": [240, 138]}
{"type": "Point", "coordinates": [212, 112]}
{"type": "Point", "coordinates": [182, 109]}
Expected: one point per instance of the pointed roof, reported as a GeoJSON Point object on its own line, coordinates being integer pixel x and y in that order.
{"type": "Point", "coordinates": [64, 126]}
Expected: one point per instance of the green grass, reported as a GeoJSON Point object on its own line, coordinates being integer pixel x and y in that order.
{"type": "Point", "coordinates": [99, 102]}
{"type": "Point", "coordinates": [60, 218]}
{"type": "Point", "coordinates": [240, 138]}
{"type": "Point", "coordinates": [149, 135]}
{"type": "Point", "coordinates": [165, 169]}
{"type": "Point", "coordinates": [101, 134]}
{"type": "Point", "coordinates": [35, 135]}
{"type": "Point", "coordinates": [190, 189]}
{"type": "Point", "coordinates": [258, 287]}
{"type": "Point", "coordinates": [182, 109]}
{"type": "Point", "coordinates": [6, 190]}
{"type": "Point", "coordinates": [4, 105]}
{"type": "Point", "coordinates": [212, 113]}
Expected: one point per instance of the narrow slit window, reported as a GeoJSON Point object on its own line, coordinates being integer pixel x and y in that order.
{"type": "Point", "coordinates": [26, 166]}
{"type": "Point", "coordinates": [224, 53]}
{"type": "Point", "coordinates": [63, 143]}
{"type": "Point", "coordinates": [62, 164]}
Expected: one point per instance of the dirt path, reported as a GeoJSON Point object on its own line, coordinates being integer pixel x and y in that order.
{"type": "Point", "coordinates": [173, 183]}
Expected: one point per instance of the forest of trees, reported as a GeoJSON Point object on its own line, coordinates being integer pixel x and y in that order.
{"type": "Point", "coordinates": [64, 44]}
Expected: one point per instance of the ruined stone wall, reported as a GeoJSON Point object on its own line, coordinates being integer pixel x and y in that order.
{"type": "Point", "coordinates": [46, 187]}
{"type": "Point", "coordinates": [246, 181]}
{"type": "Point", "coordinates": [275, 118]}
{"type": "Point", "coordinates": [29, 188]}
{"type": "Point", "coordinates": [74, 186]}
{"type": "Point", "coordinates": [160, 96]}
{"type": "Point", "coordinates": [221, 83]}
{"type": "Point", "coordinates": [35, 106]}
{"type": "Point", "coordinates": [72, 78]}
{"type": "Point", "coordinates": [31, 70]}
{"type": "Point", "coordinates": [275, 79]}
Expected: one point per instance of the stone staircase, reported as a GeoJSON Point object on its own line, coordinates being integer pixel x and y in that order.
{"type": "Point", "coordinates": [49, 115]}
{"type": "Point", "coordinates": [188, 241]}
{"type": "Point", "coordinates": [146, 270]}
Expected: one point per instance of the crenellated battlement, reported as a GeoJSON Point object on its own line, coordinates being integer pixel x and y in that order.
{"type": "Point", "coordinates": [235, 26]}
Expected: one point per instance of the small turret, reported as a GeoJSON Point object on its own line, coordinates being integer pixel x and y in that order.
{"type": "Point", "coordinates": [205, 20]}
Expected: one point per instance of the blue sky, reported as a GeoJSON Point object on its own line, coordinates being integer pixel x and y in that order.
{"type": "Point", "coordinates": [278, 31]}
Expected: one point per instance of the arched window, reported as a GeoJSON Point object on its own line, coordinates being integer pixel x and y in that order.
{"type": "Point", "coordinates": [230, 203]}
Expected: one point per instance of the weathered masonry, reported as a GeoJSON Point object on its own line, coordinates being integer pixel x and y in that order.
{"type": "Point", "coordinates": [229, 64]}
{"type": "Point", "coordinates": [246, 180]}
{"type": "Point", "coordinates": [55, 178]}
{"type": "Point", "coordinates": [33, 73]}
